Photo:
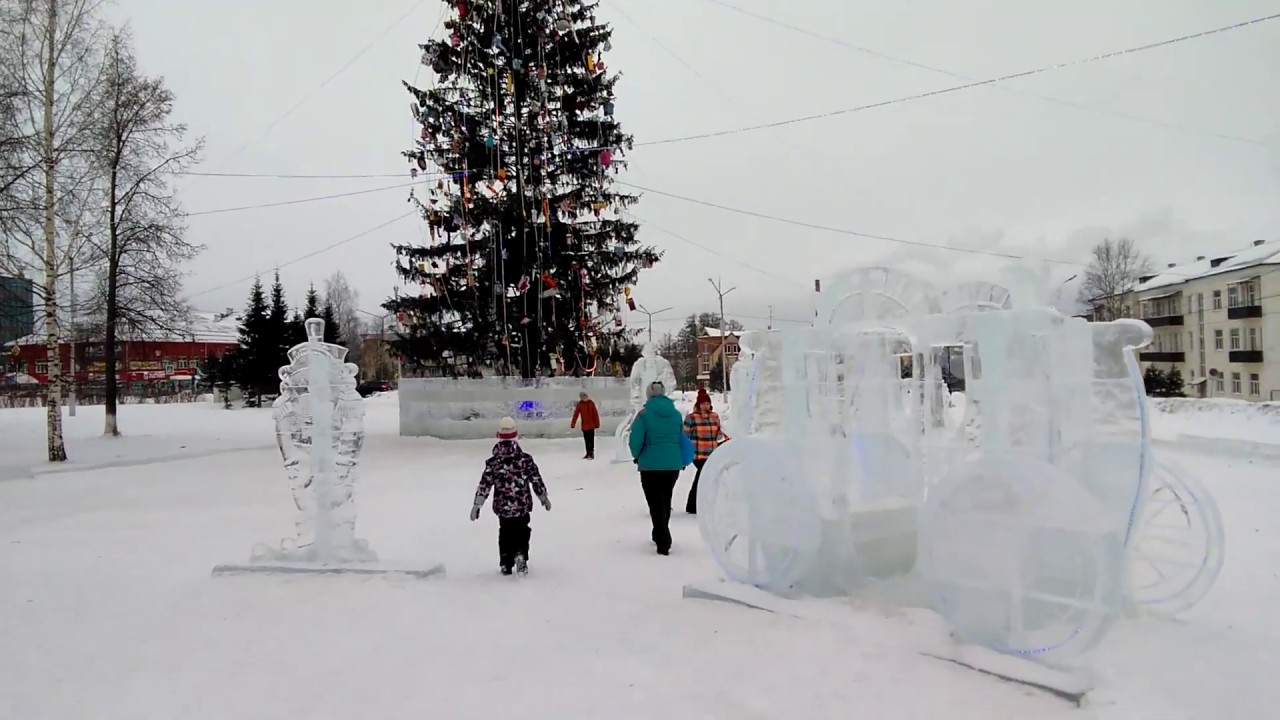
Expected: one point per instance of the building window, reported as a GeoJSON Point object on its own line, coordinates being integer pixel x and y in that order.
{"type": "Point", "coordinates": [1255, 384]}
{"type": "Point", "coordinates": [1235, 338]}
{"type": "Point", "coordinates": [731, 349]}
{"type": "Point", "coordinates": [1252, 340]}
{"type": "Point", "coordinates": [1219, 386]}
{"type": "Point", "coordinates": [1217, 299]}
{"type": "Point", "coordinates": [1235, 383]}
{"type": "Point", "coordinates": [183, 363]}
{"type": "Point", "coordinates": [42, 367]}
{"type": "Point", "coordinates": [1243, 294]}
{"type": "Point", "coordinates": [1162, 307]}
{"type": "Point", "coordinates": [1217, 339]}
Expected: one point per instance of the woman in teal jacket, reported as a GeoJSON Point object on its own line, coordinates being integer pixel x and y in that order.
{"type": "Point", "coordinates": [656, 445]}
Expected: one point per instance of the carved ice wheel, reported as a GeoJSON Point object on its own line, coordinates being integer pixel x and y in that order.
{"type": "Point", "coordinates": [757, 513]}
{"type": "Point", "coordinates": [1179, 544]}
{"type": "Point", "coordinates": [1020, 557]}
{"type": "Point", "coordinates": [874, 294]}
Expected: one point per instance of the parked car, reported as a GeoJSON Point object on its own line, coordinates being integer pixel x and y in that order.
{"type": "Point", "coordinates": [370, 387]}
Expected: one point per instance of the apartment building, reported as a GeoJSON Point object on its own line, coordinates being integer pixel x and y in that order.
{"type": "Point", "coordinates": [1217, 320]}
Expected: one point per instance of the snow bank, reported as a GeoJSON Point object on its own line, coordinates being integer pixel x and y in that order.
{"type": "Point", "coordinates": [1194, 421]}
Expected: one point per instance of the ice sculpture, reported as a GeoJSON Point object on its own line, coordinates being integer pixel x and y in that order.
{"type": "Point", "coordinates": [650, 368]}
{"type": "Point", "coordinates": [319, 423]}
{"type": "Point", "coordinates": [1019, 521]}
{"type": "Point", "coordinates": [319, 419]}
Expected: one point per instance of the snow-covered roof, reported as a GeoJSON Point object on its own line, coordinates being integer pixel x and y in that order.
{"type": "Point", "coordinates": [1253, 255]}
{"type": "Point", "coordinates": [715, 332]}
{"type": "Point", "coordinates": [202, 327]}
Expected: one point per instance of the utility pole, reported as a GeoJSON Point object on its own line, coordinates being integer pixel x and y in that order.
{"type": "Point", "coordinates": [724, 369]}
{"type": "Point", "coordinates": [645, 310]}
{"type": "Point", "coordinates": [770, 317]}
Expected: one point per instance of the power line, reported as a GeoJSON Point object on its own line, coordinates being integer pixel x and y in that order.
{"type": "Point", "coordinates": [345, 66]}
{"type": "Point", "coordinates": [957, 76]}
{"type": "Point", "coordinates": [307, 256]}
{"type": "Point", "coordinates": [843, 231]}
{"type": "Point", "coordinates": [300, 201]}
{"type": "Point", "coordinates": [288, 177]}
{"type": "Point", "coordinates": [966, 86]}
{"type": "Point", "coordinates": [871, 106]}
{"type": "Point", "coordinates": [704, 248]}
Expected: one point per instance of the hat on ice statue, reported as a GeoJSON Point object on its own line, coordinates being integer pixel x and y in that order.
{"type": "Point", "coordinates": [507, 429]}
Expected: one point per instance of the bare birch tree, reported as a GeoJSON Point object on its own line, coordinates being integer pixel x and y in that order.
{"type": "Point", "coordinates": [1115, 268]}
{"type": "Point", "coordinates": [346, 303]}
{"type": "Point", "coordinates": [137, 149]}
{"type": "Point", "coordinates": [49, 61]}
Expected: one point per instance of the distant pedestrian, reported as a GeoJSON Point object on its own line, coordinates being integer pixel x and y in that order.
{"type": "Point", "coordinates": [703, 428]}
{"type": "Point", "coordinates": [587, 412]}
{"type": "Point", "coordinates": [656, 444]}
{"type": "Point", "coordinates": [510, 472]}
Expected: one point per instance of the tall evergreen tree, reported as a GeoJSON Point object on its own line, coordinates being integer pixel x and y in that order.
{"type": "Point", "coordinates": [332, 332]}
{"type": "Point", "coordinates": [529, 253]}
{"type": "Point", "coordinates": [253, 369]}
{"type": "Point", "coordinates": [297, 329]}
{"type": "Point", "coordinates": [281, 329]}
{"type": "Point", "coordinates": [312, 307]}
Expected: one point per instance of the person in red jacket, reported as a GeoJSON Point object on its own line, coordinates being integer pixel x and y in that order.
{"type": "Point", "coordinates": [586, 412]}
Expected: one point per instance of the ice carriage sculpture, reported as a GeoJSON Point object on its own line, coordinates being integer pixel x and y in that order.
{"type": "Point", "coordinates": [1029, 523]}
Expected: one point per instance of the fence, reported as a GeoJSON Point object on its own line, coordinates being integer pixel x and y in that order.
{"type": "Point", "coordinates": [24, 396]}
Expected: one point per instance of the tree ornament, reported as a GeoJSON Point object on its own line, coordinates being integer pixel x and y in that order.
{"type": "Point", "coordinates": [563, 24]}
{"type": "Point", "coordinates": [462, 9]}
{"type": "Point", "coordinates": [606, 158]}
{"type": "Point", "coordinates": [608, 108]}
{"type": "Point", "coordinates": [455, 40]}
{"type": "Point", "coordinates": [490, 142]}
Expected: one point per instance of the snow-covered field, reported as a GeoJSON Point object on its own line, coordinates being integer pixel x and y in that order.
{"type": "Point", "coordinates": [108, 609]}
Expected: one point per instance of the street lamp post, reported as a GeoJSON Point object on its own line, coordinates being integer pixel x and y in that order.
{"type": "Point", "coordinates": [382, 346]}
{"type": "Point", "coordinates": [646, 311]}
{"type": "Point", "coordinates": [724, 369]}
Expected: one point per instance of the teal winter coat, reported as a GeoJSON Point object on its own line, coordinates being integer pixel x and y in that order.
{"type": "Point", "coordinates": [656, 435]}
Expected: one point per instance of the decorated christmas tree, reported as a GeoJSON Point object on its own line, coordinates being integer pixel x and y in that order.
{"type": "Point", "coordinates": [530, 261]}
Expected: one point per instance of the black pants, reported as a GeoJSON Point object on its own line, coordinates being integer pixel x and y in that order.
{"type": "Point", "coordinates": [658, 486]}
{"type": "Point", "coordinates": [513, 539]}
{"type": "Point", "coordinates": [589, 439]}
{"type": "Point", "coordinates": [691, 505]}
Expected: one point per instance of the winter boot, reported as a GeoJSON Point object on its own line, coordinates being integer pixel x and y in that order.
{"type": "Point", "coordinates": [506, 569]}
{"type": "Point", "coordinates": [522, 565]}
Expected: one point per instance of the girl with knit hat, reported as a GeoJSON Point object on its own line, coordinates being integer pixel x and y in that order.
{"type": "Point", "coordinates": [510, 473]}
{"type": "Point", "coordinates": [703, 428]}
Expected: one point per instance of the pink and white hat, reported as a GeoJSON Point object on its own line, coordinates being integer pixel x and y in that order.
{"type": "Point", "coordinates": [507, 429]}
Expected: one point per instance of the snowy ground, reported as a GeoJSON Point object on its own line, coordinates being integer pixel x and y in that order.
{"type": "Point", "coordinates": [107, 608]}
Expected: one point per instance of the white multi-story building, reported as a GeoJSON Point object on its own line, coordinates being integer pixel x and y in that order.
{"type": "Point", "coordinates": [1217, 320]}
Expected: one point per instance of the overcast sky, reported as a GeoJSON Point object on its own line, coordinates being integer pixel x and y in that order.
{"type": "Point", "coordinates": [991, 168]}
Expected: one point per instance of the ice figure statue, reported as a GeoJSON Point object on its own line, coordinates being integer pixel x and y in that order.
{"type": "Point", "coordinates": [742, 378]}
{"type": "Point", "coordinates": [650, 368]}
{"type": "Point", "coordinates": [1025, 533]}
{"type": "Point", "coordinates": [319, 419]}
{"type": "Point", "coordinates": [319, 425]}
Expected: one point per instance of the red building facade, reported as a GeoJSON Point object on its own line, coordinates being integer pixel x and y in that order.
{"type": "Point", "coordinates": [138, 361]}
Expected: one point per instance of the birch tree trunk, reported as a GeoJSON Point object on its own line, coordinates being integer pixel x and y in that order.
{"type": "Point", "coordinates": [53, 405]}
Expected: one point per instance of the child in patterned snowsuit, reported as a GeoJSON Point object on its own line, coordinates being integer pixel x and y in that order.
{"type": "Point", "coordinates": [510, 472]}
